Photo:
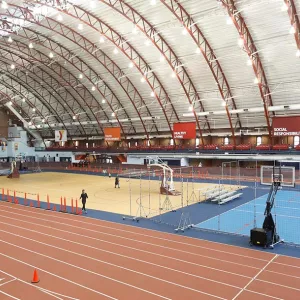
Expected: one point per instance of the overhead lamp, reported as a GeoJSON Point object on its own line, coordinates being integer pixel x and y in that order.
{"type": "Point", "coordinates": [191, 108]}
{"type": "Point", "coordinates": [101, 40]}
{"type": "Point", "coordinates": [59, 18]}
{"type": "Point", "coordinates": [152, 2]}
{"type": "Point", "coordinates": [43, 120]}
{"type": "Point", "coordinates": [30, 45]}
{"type": "Point", "coordinates": [284, 7]}
{"type": "Point", "coordinates": [198, 51]}
{"type": "Point", "coordinates": [292, 30]}
{"type": "Point", "coordinates": [224, 103]}
{"type": "Point", "coordinates": [173, 75]}
{"type": "Point", "coordinates": [33, 109]}
{"type": "Point", "coordinates": [184, 31]}
{"type": "Point", "coordinates": [23, 100]}
{"type": "Point", "coordinates": [9, 103]}
{"type": "Point", "coordinates": [134, 30]}
{"type": "Point", "coordinates": [80, 76]}
{"type": "Point", "coordinates": [130, 65]}
{"type": "Point", "coordinates": [93, 88]}
{"type": "Point", "coordinates": [147, 43]}
{"type": "Point", "coordinates": [29, 123]}
{"type": "Point", "coordinates": [241, 42]}
{"type": "Point", "coordinates": [229, 21]}
{"type": "Point", "coordinates": [116, 51]}
{"type": "Point", "coordinates": [143, 79]}
{"type": "Point", "coordinates": [4, 5]}
{"type": "Point", "coordinates": [51, 55]}
{"type": "Point", "coordinates": [152, 94]}
{"type": "Point", "coordinates": [12, 66]}
{"type": "Point", "coordinates": [103, 101]}
{"type": "Point", "coordinates": [74, 117]}
{"type": "Point", "coordinates": [256, 80]}
{"type": "Point", "coordinates": [161, 58]}
{"type": "Point", "coordinates": [80, 26]}
{"type": "Point", "coordinates": [113, 114]}
{"type": "Point", "coordinates": [10, 40]}
{"type": "Point", "coordinates": [92, 4]}
{"type": "Point", "coordinates": [249, 62]}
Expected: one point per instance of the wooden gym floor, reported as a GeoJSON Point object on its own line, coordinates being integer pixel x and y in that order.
{"type": "Point", "coordinates": [101, 191]}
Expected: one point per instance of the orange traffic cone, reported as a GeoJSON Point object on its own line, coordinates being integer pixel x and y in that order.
{"type": "Point", "coordinates": [35, 277]}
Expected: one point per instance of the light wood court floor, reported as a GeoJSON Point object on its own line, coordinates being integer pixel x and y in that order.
{"type": "Point", "coordinates": [101, 191]}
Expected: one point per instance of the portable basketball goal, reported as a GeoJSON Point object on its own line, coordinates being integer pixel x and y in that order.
{"type": "Point", "coordinates": [167, 182]}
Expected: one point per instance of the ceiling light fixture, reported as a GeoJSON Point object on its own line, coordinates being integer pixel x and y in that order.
{"type": "Point", "coordinates": [33, 109]}
{"type": "Point", "coordinates": [152, 94]}
{"type": "Point", "coordinates": [12, 66]}
{"type": "Point", "coordinates": [101, 40]}
{"type": "Point", "coordinates": [153, 2]}
{"type": "Point", "coordinates": [80, 26]}
{"type": "Point", "coordinates": [131, 65]}
{"type": "Point", "coordinates": [116, 51]}
{"type": "Point", "coordinates": [10, 40]}
{"type": "Point", "coordinates": [59, 18]}
{"type": "Point", "coordinates": [23, 100]}
{"type": "Point", "coordinates": [51, 55]}
{"type": "Point", "coordinates": [30, 45]}
{"type": "Point", "coordinates": [103, 101]}
{"type": "Point", "coordinates": [93, 88]}
{"type": "Point", "coordinates": [4, 5]}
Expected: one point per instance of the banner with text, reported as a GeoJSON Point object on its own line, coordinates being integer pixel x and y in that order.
{"type": "Point", "coordinates": [61, 136]}
{"type": "Point", "coordinates": [184, 131]}
{"type": "Point", "coordinates": [286, 126]}
{"type": "Point", "coordinates": [112, 134]}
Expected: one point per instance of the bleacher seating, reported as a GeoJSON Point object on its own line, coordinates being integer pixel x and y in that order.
{"type": "Point", "coordinates": [281, 147]}
{"type": "Point", "coordinates": [227, 147]}
{"type": "Point", "coordinates": [210, 147]}
{"type": "Point", "coordinates": [235, 196]}
{"type": "Point", "coordinates": [264, 147]}
{"type": "Point", "coordinates": [244, 147]}
{"type": "Point", "coordinates": [223, 196]}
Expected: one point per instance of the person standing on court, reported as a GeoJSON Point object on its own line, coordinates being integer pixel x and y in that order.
{"type": "Point", "coordinates": [83, 198]}
{"type": "Point", "coordinates": [117, 182]}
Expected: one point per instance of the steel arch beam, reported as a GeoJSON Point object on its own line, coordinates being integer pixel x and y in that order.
{"type": "Point", "coordinates": [294, 18]}
{"type": "Point", "coordinates": [150, 77]}
{"type": "Point", "coordinates": [166, 51]}
{"type": "Point", "coordinates": [15, 85]}
{"type": "Point", "coordinates": [16, 58]}
{"type": "Point", "coordinates": [25, 14]}
{"type": "Point", "coordinates": [69, 79]}
{"type": "Point", "coordinates": [177, 9]}
{"type": "Point", "coordinates": [249, 47]}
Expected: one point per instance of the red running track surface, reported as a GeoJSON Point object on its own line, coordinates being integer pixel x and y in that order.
{"type": "Point", "coordinates": [83, 258]}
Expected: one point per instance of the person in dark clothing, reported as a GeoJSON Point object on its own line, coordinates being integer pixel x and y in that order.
{"type": "Point", "coordinates": [117, 182]}
{"type": "Point", "coordinates": [83, 198]}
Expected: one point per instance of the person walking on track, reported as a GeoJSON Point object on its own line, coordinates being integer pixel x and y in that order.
{"type": "Point", "coordinates": [117, 182]}
{"type": "Point", "coordinates": [83, 198]}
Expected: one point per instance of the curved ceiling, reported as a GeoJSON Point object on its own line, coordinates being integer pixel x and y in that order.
{"type": "Point", "coordinates": [142, 65]}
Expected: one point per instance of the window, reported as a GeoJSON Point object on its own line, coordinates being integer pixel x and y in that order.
{"type": "Point", "coordinates": [86, 145]}
{"type": "Point", "coordinates": [296, 141]}
{"type": "Point", "coordinates": [148, 143]}
{"type": "Point", "coordinates": [62, 144]}
{"type": "Point", "coordinates": [129, 144]}
{"type": "Point", "coordinates": [258, 141]}
{"type": "Point", "coordinates": [136, 144]}
{"type": "Point", "coordinates": [226, 141]}
{"type": "Point", "coordinates": [76, 143]}
{"type": "Point", "coordinates": [171, 142]}
{"type": "Point", "coordinates": [197, 142]}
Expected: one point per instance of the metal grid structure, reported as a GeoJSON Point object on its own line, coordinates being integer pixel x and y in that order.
{"type": "Point", "coordinates": [143, 65]}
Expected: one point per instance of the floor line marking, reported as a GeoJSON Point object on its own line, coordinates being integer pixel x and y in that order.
{"type": "Point", "coordinates": [52, 274]}
{"type": "Point", "coordinates": [114, 253]}
{"type": "Point", "coordinates": [2, 284]}
{"type": "Point", "coordinates": [35, 286]}
{"type": "Point", "coordinates": [109, 278]}
{"type": "Point", "coordinates": [271, 260]}
{"type": "Point", "coordinates": [117, 266]}
{"type": "Point", "coordinates": [9, 295]}
{"type": "Point", "coordinates": [72, 218]}
{"type": "Point", "coordinates": [147, 243]}
{"type": "Point", "coordinates": [264, 295]}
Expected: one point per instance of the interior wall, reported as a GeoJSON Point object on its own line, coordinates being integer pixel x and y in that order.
{"type": "Point", "coordinates": [3, 124]}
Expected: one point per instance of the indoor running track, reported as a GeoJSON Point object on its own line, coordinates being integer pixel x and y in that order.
{"type": "Point", "coordinates": [83, 258]}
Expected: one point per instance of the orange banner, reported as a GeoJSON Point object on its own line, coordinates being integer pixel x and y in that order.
{"type": "Point", "coordinates": [112, 134]}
